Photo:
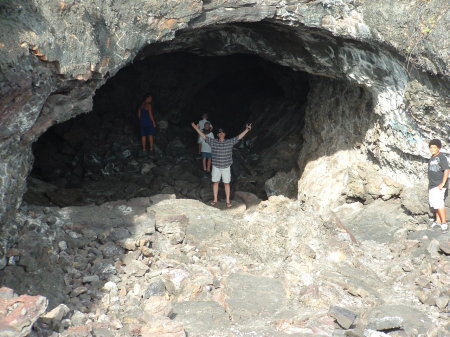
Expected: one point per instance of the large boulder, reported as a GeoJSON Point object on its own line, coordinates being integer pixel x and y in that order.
{"type": "Point", "coordinates": [283, 183]}
{"type": "Point", "coordinates": [19, 313]}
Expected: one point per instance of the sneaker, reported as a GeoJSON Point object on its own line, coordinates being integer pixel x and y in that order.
{"type": "Point", "coordinates": [444, 227]}
{"type": "Point", "coordinates": [435, 224]}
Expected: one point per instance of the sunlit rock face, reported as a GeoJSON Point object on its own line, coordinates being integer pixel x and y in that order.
{"type": "Point", "coordinates": [384, 64]}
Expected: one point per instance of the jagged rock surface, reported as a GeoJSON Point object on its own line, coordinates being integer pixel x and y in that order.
{"type": "Point", "coordinates": [162, 266]}
{"type": "Point", "coordinates": [378, 90]}
{"type": "Point", "coordinates": [54, 57]}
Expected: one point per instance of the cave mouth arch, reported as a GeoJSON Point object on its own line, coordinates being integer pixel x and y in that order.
{"type": "Point", "coordinates": [97, 157]}
{"type": "Point", "coordinates": [288, 82]}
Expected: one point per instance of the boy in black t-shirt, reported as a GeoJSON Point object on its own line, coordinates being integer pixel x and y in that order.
{"type": "Point", "coordinates": [438, 171]}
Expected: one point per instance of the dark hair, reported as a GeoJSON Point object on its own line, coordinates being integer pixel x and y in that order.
{"type": "Point", "coordinates": [436, 142]}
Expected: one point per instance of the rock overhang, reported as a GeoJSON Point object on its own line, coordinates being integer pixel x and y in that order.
{"type": "Point", "coordinates": [64, 53]}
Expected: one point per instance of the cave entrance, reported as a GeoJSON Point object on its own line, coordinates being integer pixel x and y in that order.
{"type": "Point", "coordinates": [97, 157]}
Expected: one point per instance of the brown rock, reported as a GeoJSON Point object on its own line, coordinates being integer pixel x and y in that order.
{"type": "Point", "coordinates": [18, 314]}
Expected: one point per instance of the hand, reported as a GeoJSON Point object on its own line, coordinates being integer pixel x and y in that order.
{"type": "Point", "coordinates": [195, 126]}
{"type": "Point", "coordinates": [441, 186]}
{"type": "Point", "coordinates": [248, 126]}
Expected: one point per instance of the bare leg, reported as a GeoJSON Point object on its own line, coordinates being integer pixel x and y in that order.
{"type": "Point", "coordinates": [227, 192]}
{"type": "Point", "coordinates": [143, 142]}
{"type": "Point", "coordinates": [215, 191]}
{"type": "Point", "coordinates": [150, 139]}
{"type": "Point", "coordinates": [440, 215]}
{"type": "Point", "coordinates": [438, 218]}
{"type": "Point", "coordinates": [208, 165]}
{"type": "Point", "coordinates": [204, 164]}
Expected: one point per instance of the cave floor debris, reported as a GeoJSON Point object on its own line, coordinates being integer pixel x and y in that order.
{"type": "Point", "coordinates": [160, 266]}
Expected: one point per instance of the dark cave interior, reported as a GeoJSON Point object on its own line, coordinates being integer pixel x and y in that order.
{"type": "Point", "coordinates": [97, 157]}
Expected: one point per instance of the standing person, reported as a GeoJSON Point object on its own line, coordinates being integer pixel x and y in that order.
{"type": "Point", "coordinates": [222, 158]}
{"type": "Point", "coordinates": [204, 120]}
{"type": "Point", "coordinates": [206, 148]}
{"type": "Point", "coordinates": [201, 125]}
{"type": "Point", "coordinates": [438, 171]}
{"type": "Point", "coordinates": [147, 123]}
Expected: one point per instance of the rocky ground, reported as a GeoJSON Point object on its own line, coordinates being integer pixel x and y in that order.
{"type": "Point", "coordinates": [161, 266]}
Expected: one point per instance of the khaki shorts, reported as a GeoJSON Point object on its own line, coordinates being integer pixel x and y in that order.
{"type": "Point", "coordinates": [224, 173]}
{"type": "Point", "coordinates": [436, 197]}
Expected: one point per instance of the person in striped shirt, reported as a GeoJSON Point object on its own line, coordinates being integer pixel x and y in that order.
{"type": "Point", "coordinates": [222, 158]}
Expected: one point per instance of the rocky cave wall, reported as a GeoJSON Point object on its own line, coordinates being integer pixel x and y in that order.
{"type": "Point", "coordinates": [55, 55]}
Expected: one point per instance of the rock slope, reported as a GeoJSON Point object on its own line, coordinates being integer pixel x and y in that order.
{"type": "Point", "coordinates": [162, 266]}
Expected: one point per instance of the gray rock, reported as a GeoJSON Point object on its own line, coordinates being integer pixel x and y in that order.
{"type": "Point", "coordinates": [249, 199]}
{"type": "Point", "coordinates": [444, 246]}
{"type": "Point", "coordinates": [29, 263]}
{"type": "Point", "coordinates": [91, 279]}
{"type": "Point", "coordinates": [103, 269]}
{"type": "Point", "coordinates": [51, 220]}
{"type": "Point", "coordinates": [160, 197]}
{"type": "Point", "coordinates": [110, 250]}
{"type": "Point", "coordinates": [37, 282]}
{"type": "Point", "coordinates": [414, 321]}
{"type": "Point", "coordinates": [6, 293]}
{"type": "Point", "coordinates": [119, 234]}
{"type": "Point", "coordinates": [344, 317]}
{"type": "Point", "coordinates": [3, 262]}
{"type": "Point", "coordinates": [62, 245]}
{"type": "Point", "coordinates": [136, 268]}
{"type": "Point", "coordinates": [130, 256]}
{"type": "Point", "coordinates": [283, 184]}
{"type": "Point", "coordinates": [385, 323]}
{"type": "Point", "coordinates": [371, 224]}
{"type": "Point", "coordinates": [201, 318]}
{"type": "Point", "coordinates": [78, 318]}
{"type": "Point", "coordinates": [102, 332]}
{"type": "Point", "coordinates": [78, 291]}
{"type": "Point", "coordinates": [250, 296]}
{"type": "Point", "coordinates": [366, 183]}
{"type": "Point", "coordinates": [155, 288]}
{"type": "Point", "coordinates": [442, 301]}
{"type": "Point", "coordinates": [415, 199]}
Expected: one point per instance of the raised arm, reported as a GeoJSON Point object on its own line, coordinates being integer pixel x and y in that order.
{"type": "Point", "coordinates": [248, 127]}
{"type": "Point", "coordinates": [200, 133]}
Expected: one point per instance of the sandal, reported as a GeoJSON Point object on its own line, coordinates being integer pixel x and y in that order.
{"type": "Point", "coordinates": [213, 203]}
{"type": "Point", "coordinates": [229, 204]}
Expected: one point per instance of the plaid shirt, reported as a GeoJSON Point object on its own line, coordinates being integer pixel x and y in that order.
{"type": "Point", "coordinates": [222, 152]}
